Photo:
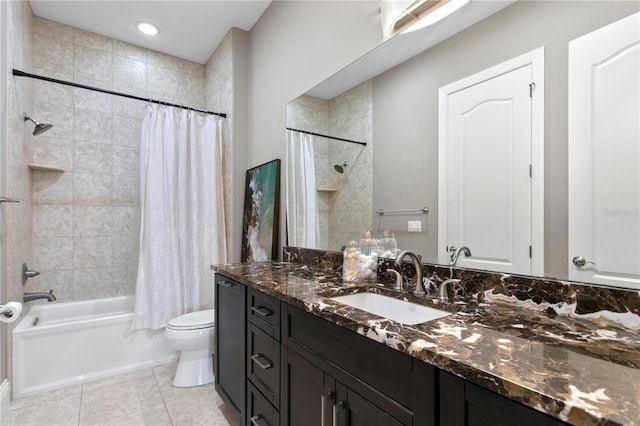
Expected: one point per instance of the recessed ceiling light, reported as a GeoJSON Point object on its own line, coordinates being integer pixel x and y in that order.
{"type": "Point", "coordinates": [147, 28]}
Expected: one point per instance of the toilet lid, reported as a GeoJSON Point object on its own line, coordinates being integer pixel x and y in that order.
{"type": "Point", "coordinates": [193, 320]}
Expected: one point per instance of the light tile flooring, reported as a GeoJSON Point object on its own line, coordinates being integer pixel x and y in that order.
{"type": "Point", "coordinates": [144, 397]}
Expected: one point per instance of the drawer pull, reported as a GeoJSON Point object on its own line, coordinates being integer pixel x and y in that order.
{"type": "Point", "coordinates": [258, 421]}
{"type": "Point", "coordinates": [262, 362]}
{"type": "Point", "coordinates": [262, 311]}
{"type": "Point", "coordinates": [226, 284]}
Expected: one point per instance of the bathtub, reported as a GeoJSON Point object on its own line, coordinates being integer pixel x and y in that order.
{"type": "Point", "coordinates": [62, 344]}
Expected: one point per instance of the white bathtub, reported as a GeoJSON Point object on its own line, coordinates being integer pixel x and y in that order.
{"type": "Point", "coordinates": [62, 344]}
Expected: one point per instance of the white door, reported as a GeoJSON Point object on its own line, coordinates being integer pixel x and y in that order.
{"type": "Point", "coordinates": [486, 157]}
{"type": "Point", "coordinates": [604, 155]}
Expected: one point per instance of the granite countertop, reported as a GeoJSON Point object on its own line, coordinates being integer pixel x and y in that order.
{"type": "Point", "coordinates": [580, 371]}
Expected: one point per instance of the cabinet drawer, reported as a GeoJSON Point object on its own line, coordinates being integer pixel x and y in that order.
{"type": "Point", "coordinates": [264, 311]}
{"type": "Point", "coordinates": [263, 363]}
{"type": "Point", "coordinates": [259, 411]}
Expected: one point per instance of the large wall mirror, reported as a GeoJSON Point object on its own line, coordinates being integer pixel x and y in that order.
{"type": "Point", "coordinates": [381, 118]}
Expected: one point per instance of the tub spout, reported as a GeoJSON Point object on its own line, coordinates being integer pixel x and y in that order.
{"type": "Point", "coordinates": [34, 296]}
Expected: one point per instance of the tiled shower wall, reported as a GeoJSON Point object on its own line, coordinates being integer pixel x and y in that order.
{"type": "Point", "coordinates": [349, 115]}
{"type": "Point", "coordinates": [86, 218]}
{"type": "Point", "coordinates": [16, 236]}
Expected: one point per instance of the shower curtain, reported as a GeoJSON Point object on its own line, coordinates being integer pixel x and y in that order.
{"type": "Point", "coordinates": [182, 230]}
{"type": "Point", "coordinates": [302, 212]}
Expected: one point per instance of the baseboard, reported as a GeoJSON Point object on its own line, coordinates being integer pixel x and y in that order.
{"type": "Point", "coordinates": [5, 399]}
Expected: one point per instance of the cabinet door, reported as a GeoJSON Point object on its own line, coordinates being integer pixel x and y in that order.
{"type": "Point", "coordinates": [230, 343]}
{"type": "Point", "coordinates": [351, 409]}
{"type": "Point", "coordinates": [310, 392]}
{"type": "Point", "coordinates": [465, 404]}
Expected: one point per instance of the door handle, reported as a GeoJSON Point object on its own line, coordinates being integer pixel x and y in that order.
{"type": "Point", "coordinates": [325, 408]}
{"type": "Point", "coordinates": [262, 362]}
{"type": "Point", "coordinates": [226, 284]}
{"type": "Point", "coordinates": [262, 311]}
{"type": "Point", "coordinates": [580, 261]}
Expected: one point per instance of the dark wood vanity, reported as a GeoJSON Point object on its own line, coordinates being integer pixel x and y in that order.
{"type": "Point", "coordinates": [278, 364]}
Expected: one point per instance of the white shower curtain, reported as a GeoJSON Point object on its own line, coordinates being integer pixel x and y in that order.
{"type": "Point", "coordinates": [182, 230]}
{"type": "Point", "coordinates": [302, 212]}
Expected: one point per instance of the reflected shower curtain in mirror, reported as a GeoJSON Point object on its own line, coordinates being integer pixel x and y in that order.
{"type": "Point", "coordinates": [302, 211]}
{"type": "Point", "coordinates": [182, 229]}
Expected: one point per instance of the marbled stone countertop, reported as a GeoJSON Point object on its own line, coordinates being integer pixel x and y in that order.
{"type": "Point", "coordinates": [581, 371]}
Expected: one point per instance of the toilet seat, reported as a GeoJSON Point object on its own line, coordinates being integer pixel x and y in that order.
{"type": "Point", "coordinates": [193, 321]}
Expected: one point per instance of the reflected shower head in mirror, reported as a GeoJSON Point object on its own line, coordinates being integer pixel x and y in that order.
{"type": "Point", "coordinates": [340, 167]}
{"type": "Point", "coordinates": [40, 127]}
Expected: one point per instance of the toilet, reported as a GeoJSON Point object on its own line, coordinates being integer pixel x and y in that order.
{"type": "Point", "coordinates": [193, 334]}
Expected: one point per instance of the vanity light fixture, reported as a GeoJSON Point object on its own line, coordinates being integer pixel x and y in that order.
{"type": "Point", "coordinates": [147, 28]}
{"type": "Point", "coordinates": [424, 13]}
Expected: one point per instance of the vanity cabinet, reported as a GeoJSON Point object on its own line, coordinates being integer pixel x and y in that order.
{"type": "Point", "coordinates": [230, 343]}
{"type": "Point", "coordinates": [333, 376]}
{"type": "Point", "coordinates": [466, 404]}
{"type": "Point", "coordinates": [280, 365]}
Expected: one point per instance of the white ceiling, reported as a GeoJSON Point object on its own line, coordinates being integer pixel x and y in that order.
{"type": "Point", "coordinates": [187, 29]}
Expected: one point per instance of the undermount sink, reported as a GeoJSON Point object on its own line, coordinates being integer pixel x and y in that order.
{"type": "Point", "coordinates": [391, 308]}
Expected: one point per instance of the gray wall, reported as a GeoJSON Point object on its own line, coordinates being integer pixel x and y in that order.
{"type": "Point", "coordinates": [405, 109]}
{"type": "Point", "coordinates": [294, 46]}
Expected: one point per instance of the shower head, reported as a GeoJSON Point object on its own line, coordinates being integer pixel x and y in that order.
{"type": "Point", "coordinates": [340, 167]}
{"type": "Point", "coordinates": [40, 127]}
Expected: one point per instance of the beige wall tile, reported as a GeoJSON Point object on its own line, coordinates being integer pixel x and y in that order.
{"type": "Point", "coordinates": [162, 82]}
{"type": "Point", "coordinates": [52, 93]}
{"type": "Point", "coordinates": [126, 190]}
{"type": "Point", "coordinates": [93, 158]}
{"type": "Point", "coordinates": [92, 126]}
{"type": "Point", "coordinates": [52, 220]}
{"type": "Point", "coordinates": [52, 54]}
{"type": "Point", "coordinates": [92, 40]}
{"type": "Point", "coordinates": [162, 60]}
{"type": "Point", "coordinates": [91, 252]}
{"type": "Point", "coordinates": [129, 73]}
{"type": "Point", "coordinates": [130, 51]}
{"type": "Point", "coordinates": [92, 221]}
{"type": "Point", "coordinates": [53, 152]}
{"type": "Point", "coordinates": [127, 130]}
{"type": "Point", "coordinates": [60, 116]}
{"type": "Point", "coordinates": [93, 101]}
{"type": "Point", "coordinates": [52, 187]}
{"type": "Point", "coordinates": [191, 68]}
{"type": "Point", "coordinates": [52, 29]}
{"type": "Point", "coordinates": [126, 161]}
{"type": "Point", "coordinates": [50, 254]}
{"type": "Point", "coordinates": [92, 65]}
{"type": "Point", "coordinates": [91, 189]}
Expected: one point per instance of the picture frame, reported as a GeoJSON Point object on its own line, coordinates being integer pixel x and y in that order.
{"type": "Point", "coordinates": [261, 214]}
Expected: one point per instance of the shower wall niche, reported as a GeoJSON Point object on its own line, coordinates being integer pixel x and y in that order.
{"type": "Point", "coordinates": [343, 199]}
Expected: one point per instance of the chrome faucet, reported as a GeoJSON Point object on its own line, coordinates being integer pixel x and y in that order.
{"type": "Point", "coordinates": [419, 290]}
{"type": "Point", "coordinates": [455, 252]}
{"type": "Point", "coordinates": [443, 295]}
{"type": "Point", "coordinates": [34, 296]}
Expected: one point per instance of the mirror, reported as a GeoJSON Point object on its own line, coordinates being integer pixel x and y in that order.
{"type": "Point", "coordinates": [397, 84]}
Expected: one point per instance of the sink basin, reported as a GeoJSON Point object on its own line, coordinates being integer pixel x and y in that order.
{"type": "Point", "coordinates": [394, 309]}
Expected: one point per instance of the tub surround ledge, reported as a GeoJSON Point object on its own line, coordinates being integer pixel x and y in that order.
{"type": "Point", "coordinates": [583, 369]}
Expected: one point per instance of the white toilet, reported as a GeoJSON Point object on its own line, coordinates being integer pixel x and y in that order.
{"type": "Point", "coordinates": [193, 334]}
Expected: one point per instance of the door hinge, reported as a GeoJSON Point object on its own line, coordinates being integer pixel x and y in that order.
{"type": "Point", "coordinates": [530, 170]}
{"type": "Point", "coordinates": [531, 86]}
{"type": "Point", "coordinates": [530, 251]}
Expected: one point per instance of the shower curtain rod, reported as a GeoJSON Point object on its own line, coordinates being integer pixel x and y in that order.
{"type": "Point", "coordinates": [19, 73]}
{"type": "Point", "coordinates": [325, 136]}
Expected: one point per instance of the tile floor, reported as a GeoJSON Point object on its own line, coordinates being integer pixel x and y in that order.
{"type": "Point", "coordinates": [144, 397]}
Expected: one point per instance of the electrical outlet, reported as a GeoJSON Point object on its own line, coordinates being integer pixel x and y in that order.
{"type": "Point", "coordinates": [415, 226]}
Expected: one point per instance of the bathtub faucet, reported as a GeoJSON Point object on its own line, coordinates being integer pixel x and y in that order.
{"type": "Point", "coordinates": [34, 296]}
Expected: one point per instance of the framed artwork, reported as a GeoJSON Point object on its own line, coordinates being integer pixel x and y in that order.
{"type": "Point", "coordinates": [261, 216]}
